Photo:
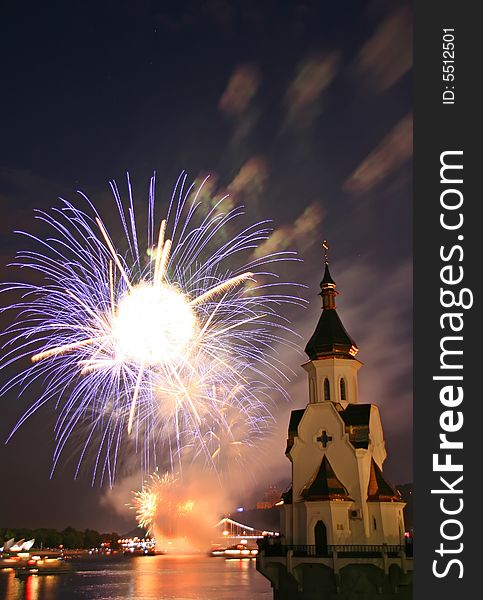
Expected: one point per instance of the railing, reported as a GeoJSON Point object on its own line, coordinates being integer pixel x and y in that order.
{"type": "Point", "coordinates": [342, 551]}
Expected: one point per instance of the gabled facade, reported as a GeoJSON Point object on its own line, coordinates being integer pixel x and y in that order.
{"type": "Point", "coordinates": [336, 446]}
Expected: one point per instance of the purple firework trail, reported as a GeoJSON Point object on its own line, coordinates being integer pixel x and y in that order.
{"type": "Point", "coordinates": [155, 346]}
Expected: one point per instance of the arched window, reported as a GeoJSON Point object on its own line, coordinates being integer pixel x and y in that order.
{"type": "Point", "coordinates": [374, 523]}
{"type": "Point", "coordinates": [326, 389]}
{"type": "Point", "coordinates": [342, 390]}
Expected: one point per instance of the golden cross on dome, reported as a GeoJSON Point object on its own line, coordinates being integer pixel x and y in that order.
{"type": "Point", "coordinates": [325, 246]}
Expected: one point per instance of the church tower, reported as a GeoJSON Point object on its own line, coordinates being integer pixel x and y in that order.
{"type": "Point", "coordinates": [339, 495]}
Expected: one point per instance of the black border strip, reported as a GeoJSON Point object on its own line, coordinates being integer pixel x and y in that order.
{"type": "Point", "coordinates": [438, 128]}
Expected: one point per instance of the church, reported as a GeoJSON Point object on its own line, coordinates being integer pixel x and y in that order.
{"type": "Point", "coordinates": [336, 446]}
{"type": "Point", "coordinates": [342, 523]}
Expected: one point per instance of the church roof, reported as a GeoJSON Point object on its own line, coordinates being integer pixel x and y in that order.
{"type": "Point", "coordinates": [356, 414]}
{"type": "Point", "coordinates": [325, 485]}
{"type": "Point", "coordinates": [287, 496]}
{"type": "Point", "coordinates": [378, 489]}
{"type": "Point", "coordinates": [330, 337]}
{"type": "Point", "coordinates": [356, 419]}
{"type": "Point", "coordinates": [295, 418]}
{"type": "Point", "coordinates": [327, 279]}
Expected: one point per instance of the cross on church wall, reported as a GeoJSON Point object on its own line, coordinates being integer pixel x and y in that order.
{"type": "Point", "coordinates": [324, 439]}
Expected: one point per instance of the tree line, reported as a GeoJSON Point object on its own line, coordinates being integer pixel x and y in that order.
{"type": "Point", "coordinates": [67, 538]}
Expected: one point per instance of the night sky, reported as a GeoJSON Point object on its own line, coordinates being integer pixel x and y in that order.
{"type": "Point", "coordinates": [300, 110]}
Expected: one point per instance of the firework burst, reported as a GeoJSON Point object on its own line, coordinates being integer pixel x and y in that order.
{"type": "Point", "coordinates": [156, 343]}
{"type": "Point", "coordinates": [145, 501]}
{"type": "Point", "coordinates": [159, 504]}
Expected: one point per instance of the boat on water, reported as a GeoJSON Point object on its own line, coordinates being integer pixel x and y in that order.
{"type": "Point", "coordinates": [143, 552]}
{"type": "Point", "coordinates": [235, 551]}
{"type": "Point", "coordinates": [42, 566]}
{"type": "Point", "coordinates": [23, 572]}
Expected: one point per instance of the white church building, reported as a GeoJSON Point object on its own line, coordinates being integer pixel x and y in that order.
{"type": "Point", "coordinates": [342, 527]}
{"type": "Point", "coordinates": [339, 495]}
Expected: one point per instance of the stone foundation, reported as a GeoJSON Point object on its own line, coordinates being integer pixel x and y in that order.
{"type": "Point", "coordinates": [328, 578]}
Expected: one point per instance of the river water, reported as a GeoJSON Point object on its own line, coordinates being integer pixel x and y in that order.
{"type": "Point", "coordinates": [144, 578]}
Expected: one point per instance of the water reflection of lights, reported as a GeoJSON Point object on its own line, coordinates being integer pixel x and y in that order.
{"type": "Point", "coordinates": [157, 575]}
{"type": "Point", "coordinates": [149, 578]}
{"type": "Point", "coordinates": [147, 582]}
{"type": "Point", "coordinates": [33, 587]}
{"type": "Point", "coordinates": [192, 576]}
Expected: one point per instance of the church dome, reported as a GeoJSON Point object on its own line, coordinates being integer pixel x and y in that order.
{"type": "Point", "coordinates": [330, 337]}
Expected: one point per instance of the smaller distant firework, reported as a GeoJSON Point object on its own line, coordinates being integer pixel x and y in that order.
{"type": "Point", "coordinates": [160, 505]}
{"type": "Point", "coordinates": [145, 503]}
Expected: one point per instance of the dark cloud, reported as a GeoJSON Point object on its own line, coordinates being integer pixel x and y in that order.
{"type": "Point", "coordinates": [21, 191]}
{"type": "Point", "coordinates": [222, 13]}
{"type": "Point", "coordinates": [304, 95]}
{"type": "Point", "coordinates": [237, 102]}
{"type": "Point", "coordinates": [301, 234]}
{"type": "Point", "coordinates": [387, 55]}
{"type": "Point", "coordinates": [251, 179]}
{"type": "Point", "coordinates": [242, 87]}
{"type": "Point", "coordinates": [389, 155]}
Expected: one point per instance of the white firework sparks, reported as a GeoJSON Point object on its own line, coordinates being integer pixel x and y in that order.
{"type": "Point", "coordinates": [135, 345]}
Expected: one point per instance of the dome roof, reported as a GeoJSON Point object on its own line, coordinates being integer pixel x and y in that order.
{"type": "Point", "coordinates": [325, 485]}
{"type": "Point", "coordinates": [330, 337]}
